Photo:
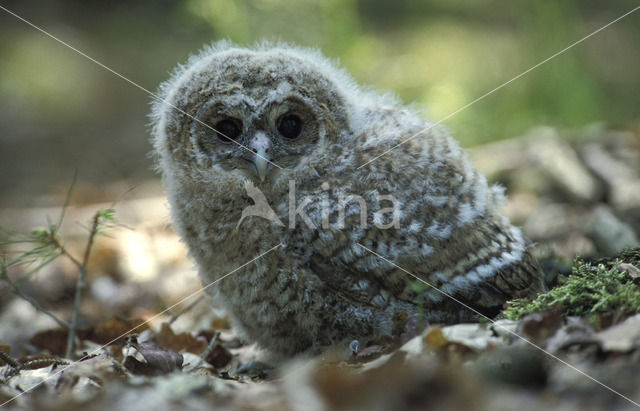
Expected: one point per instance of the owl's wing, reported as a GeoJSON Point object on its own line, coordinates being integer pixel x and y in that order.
{"type": "Point", "coordinates": [450, 240]}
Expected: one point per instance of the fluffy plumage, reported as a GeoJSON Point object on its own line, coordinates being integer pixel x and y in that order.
{"type": "Point", "coordinates": [321, 288]}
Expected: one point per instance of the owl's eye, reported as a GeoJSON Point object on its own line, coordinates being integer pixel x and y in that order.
{"type": "Point", "coordinates": [228, 129]}
{"type": "Point", "coordinates": [290, 126]}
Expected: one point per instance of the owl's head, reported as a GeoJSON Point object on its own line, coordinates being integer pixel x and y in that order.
{"type": "Point", "coordinates": [251, 113]}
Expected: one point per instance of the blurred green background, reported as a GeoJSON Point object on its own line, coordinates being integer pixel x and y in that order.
{"type": "Point", "coordinates": [60, 112]}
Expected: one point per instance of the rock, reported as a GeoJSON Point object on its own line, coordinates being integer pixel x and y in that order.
{"type": "Point", "coordinates": [623, 180]}
{"type": "Point", "coordinates": [560, 226]}
{"type": "Point", "coordinates": [502, 157]}
{"type": "Point", "coordinates": [549, 221]}
{"type": "Point", "coordinates": [609, 233]}
{"type": "Point", "coordinates": [563, 165]}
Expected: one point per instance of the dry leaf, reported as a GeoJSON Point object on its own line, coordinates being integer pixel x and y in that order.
{"type": "Point", "coordinates": [622, 337]}
{"type": "Point", "coordinates": [577, 331]}
{"type": "Point", "coordinates": [166, 338]}
{"type": "Point", "coordinates": [84, 380]}
{"type": "Point", "coordinates": [115, 330]}
{"type": "Point", "coordinates": [148, 359]}
{"type": "Point", "coordinates": [219, 356]}
{"type": "Point", "coordinates": [435, 339]}
{"type": "Point", "coordinates": [54, 340]}
{"type": "Point", "coordinates": [474, 337]}
{"type": "Point", "coordinates": [541, 325]}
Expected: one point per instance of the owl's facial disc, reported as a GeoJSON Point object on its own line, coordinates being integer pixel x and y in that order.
{"type": "Point", "coordinates": [261, 144]}
{"type": "Point", "coordinates": [258, 136]}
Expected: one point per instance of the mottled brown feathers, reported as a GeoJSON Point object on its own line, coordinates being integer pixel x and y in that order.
{"type": "Point", "coordinates": [427, 209]}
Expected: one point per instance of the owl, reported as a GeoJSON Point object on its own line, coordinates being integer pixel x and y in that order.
{"type": "Point", "coordinates": [363, 241]}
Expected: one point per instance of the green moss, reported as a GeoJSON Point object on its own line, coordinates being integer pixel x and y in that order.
{"type": "Point", "coordinates": [591, 289]}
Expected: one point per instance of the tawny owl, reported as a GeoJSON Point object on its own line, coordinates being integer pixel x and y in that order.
{"type": "Point", "coordinates": [284, 130]}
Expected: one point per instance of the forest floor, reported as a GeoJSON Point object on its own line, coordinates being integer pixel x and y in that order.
{"type": "Point", "coordinates": [147, 339]}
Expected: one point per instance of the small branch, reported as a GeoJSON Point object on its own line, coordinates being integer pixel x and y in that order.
{"type": "Point", "coordinates": [67, 200]}
{"type": "Point", "coordinates": [205, 354]}
{"type": "Point", "coordinates": [44, 362]}
{"type": "Point", "coordinates": [16, 290]}
{"type": "Point", "coordinates": [175, 316]}
{"type": "Point", "coordinates": [63, 251]}
{"type": "Point", "coordinates": [10, 361]}
{"type": "Point", "coordinates": [80, 283]}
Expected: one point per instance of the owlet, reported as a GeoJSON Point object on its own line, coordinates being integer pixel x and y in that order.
{"type": "Point", "coordinates": [285, 132]}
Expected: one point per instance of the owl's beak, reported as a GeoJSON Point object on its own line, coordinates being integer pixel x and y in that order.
{"type": "Point", "coordinates": [260, 145]}
{"type": "Point", "coordinates": [261, 163]}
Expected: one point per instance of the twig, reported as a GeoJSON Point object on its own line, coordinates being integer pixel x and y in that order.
{"type": "Point", "coordinates": [17, 366]}
{"type": "Point", "coordinates": [6, 358]}
{"type": "Point", "coordinates": [67, 200]}
{"type": "Point", "coordinates": [175, 316]}
{"type": "Point", "coordinates": [43, 362]}
{"type": "Point", "coordinates": [80, 282]}
{"type": "Point", "coordinates": [63, 251]}
{"type": "Point", "coordinates": [48, 247]}
{"type": "Point", "coordinates": [16, 290]}
{"type": "Point", "coordinates": [205, 354]}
